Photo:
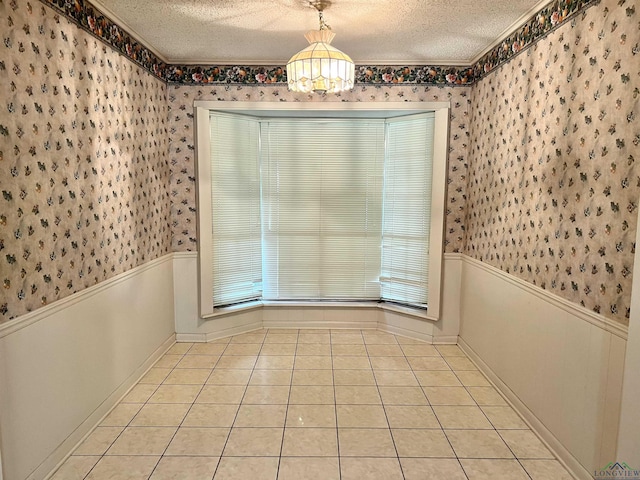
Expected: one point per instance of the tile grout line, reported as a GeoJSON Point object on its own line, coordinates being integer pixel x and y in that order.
{"type": "Point", "coordinates": [474, 401]}
{"type": "Point", "coordinates": [335, 404]}
{"type": "Point", "coordinates": [192, 403]}
{"type": "Point", "coordinates": [286, 410]}
{"type": "Point", "coordinates": [235, 417]}
{"type": "Point", "coordinates": [196, 398]}
{"type": "Point", "coordinates": [438, 419]}
{"type": "Point", "coordinates": [455, 372]}
{"type": "Point", "coordinates": [485, 415]}
{"type": "Point", "coordinates": [466, 387]}
{"type": "Point", "coordinates": [146, 402]}
{"type": "Point", "coordinates": [375, 379]}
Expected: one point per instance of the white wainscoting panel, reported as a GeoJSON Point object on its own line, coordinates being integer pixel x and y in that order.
{"type": "Point", "coordinates": [185, 292]}
{"type": "Point", "coordinates": [189, 327]}
{"type": "Point", "coordinates": [561, 362]}
{"type": "Point", "coordinates": [629, 436]}
{"type": "Point", "coordinates": [66, 365]}
{"type": "Point", "coordinates": [315, 316]}
{"type": "Point", "coordinates": [446, 329]}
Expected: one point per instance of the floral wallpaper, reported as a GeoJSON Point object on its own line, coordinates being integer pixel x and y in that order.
{"type": "Point", "coordinates": [553, 176]}
{"type": "Point", "coordinates": [181, 143]}
{"type": "Point", "coordinates": [97, 154]}
{"type": "Point", "coordinates": [83, 160]}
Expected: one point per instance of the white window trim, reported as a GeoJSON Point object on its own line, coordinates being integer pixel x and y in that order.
{"type": "Point", "coordinates": [328, 109]}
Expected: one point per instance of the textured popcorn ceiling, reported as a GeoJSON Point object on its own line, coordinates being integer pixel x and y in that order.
{"type": "Point", "coordinates": [382, 32]}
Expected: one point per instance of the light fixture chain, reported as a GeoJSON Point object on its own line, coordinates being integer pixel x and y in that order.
{"type": "Point", "coordinates": [323, 24]}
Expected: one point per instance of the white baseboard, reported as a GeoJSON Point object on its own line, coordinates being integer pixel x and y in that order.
{"type": "Point", "coordinates": [64, 451]}
{"type": "Point", "coordinates": [561, 453]}
{"type": "Point", "coordinates": [403, 332]}
{"type": "Point", "coordinates": [327, 324]}
{"type": "Point", "coordinates": [191, 337]}
{"type": "Point", "coordinates": [445, 339]}
{"type": "Point", "coordinates": [209, 337]}
{"type": "Point", "coordinates": [246, 328]}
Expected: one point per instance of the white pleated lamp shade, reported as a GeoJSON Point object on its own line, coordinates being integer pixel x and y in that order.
{"type": "Point", "coordinates": [320, 67]}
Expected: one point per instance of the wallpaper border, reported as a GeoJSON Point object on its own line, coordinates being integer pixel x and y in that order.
{"type": "Point", "coordinates": [538, 26]}
{"type": "Point", "coordinates": [91, 19]}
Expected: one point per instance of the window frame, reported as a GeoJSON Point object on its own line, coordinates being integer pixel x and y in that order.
{"type": "Point", "coordinates": [202, 110]}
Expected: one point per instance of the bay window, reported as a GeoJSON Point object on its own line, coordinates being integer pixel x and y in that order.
{"type": "Point", "coordinates": [319, 209]}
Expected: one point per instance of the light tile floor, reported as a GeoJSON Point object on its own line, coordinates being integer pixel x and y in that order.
{"type": "Point", "coordinates": [313, 404]}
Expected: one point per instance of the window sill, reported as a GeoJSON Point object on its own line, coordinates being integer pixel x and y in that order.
{"type": "Point", "coordinates": [413, 312]}
{"type": "Point", "coordinates": [317, 304]}
{"type": "Point", "coordinates": [241, 307]}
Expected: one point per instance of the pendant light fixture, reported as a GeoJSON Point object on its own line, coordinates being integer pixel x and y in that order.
{"type": "Point", "coordinates": [320, 67]}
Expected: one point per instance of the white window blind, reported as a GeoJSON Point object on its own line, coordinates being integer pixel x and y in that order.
{"type": "Point", "coordinates": [235, 209]}
{"type": "Point", "coordinates": [407, 210]}
{"type": "Point", "coordinates": [322, 208]}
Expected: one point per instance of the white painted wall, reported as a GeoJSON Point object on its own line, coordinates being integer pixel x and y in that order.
{"type": "Point", "coordinates": [64, 366]}
{"type": "Point", "coordinates": [560, 363]}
